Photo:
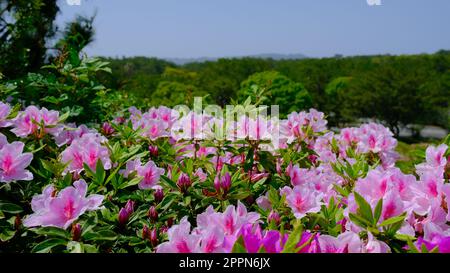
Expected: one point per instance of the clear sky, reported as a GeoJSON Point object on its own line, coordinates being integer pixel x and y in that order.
{"type": "Point", "coordinates": [218, 28]}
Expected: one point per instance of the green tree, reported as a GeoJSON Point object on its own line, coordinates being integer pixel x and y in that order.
{"type": "Point", "coordinates": [276, 89]}
{"type": "Point", "coordinates": [25, 27]}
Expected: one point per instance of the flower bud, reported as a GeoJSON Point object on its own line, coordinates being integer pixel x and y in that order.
{"type": "Point", "coordinates": [225, 183]}
{"type": "Point", "coordinates": [217, 184]}
{"type": "Point", "coordinates": [275, 217]}
{"type": "Point", "coordinates": [76, 232]}
{"type": "Point", "coordinates": [129, 206]}
{"type": "Point", "coordinates": [184, 182]}
{"type": "Point", "coordinates": [152, 214]}
{"type": "Point", "coordinates": [107, 129]}
{"type": "Point", "coordinates": [125, 213]}
{"type": "Point", "coordinates": [163, 229]}
{"type": "Point", "coordinates": [145, 232]}
{"type": "Point", "coordinates": [169, 222]}
{"type": "Point", "coordinates": [153, 237]}
{"type": "Point", "coordinates": [123, 217]}
{"type": "Point", "coordinates": [153, 151]}
{"type": "Point", "coordinates": [158, 195]}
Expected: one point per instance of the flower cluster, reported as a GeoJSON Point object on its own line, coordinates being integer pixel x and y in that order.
{"type": "Point", "coordinates": [169, 180]}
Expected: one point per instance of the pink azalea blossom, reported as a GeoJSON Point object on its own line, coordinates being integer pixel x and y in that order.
{"type": "Point", "coordinates": [86, 149]}
{"type": "Point", "coordinates": [150, 173]}
{"type": "Point", "coordinates": [303, 200]}
{"type": "Point", "coordinates": [31, 120]}
{"type": "Point", "coordinates": [5, 110]}
{"type": "Point", "coordinates": [180, 239]}
{"type": "Point", "coordinates": [62, 210]}
{"type": "Point", "coordinates": [13, 161]}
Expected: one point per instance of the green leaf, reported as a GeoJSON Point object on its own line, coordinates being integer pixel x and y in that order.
{"type": "Point", "coordinates": [88, 170]}
{"type": "Point", "coordinates": [10, 208]}
{"type": "Point", "coordinates": [103, 235]}
{"type": "Point", "coordinates": [100, 172]}
{"type": "Point", "coordinates": [64, 117]}
{"type": "Point", "coordinates": [378, 210]}
{"type": "Point", "coordinates": [52, 231]}
{"type": "Point", "coordinates": [169, 182]}
{"type": "Point", "coordinates": [393, 220]}
{"type": "Point", "coordinates": [131, 182]}
{"type": "Point", "coordinates": [6, 234]}
{"type": "Point", "coordinates": [239, 246]}
{"type": "Point", "coordinates": [364, 208]}
{"type": "Point", "coordinates": [75, 247]}
{"type": "Point", "coordinates": [47, 245]}
{"type": "Point", "coordinates": [294, 239]}
{"type": "Point", "coordinates": [358, 220]}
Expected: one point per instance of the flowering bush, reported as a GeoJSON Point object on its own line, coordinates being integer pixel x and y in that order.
{"type": "Point", "coordinates": [165, 180]}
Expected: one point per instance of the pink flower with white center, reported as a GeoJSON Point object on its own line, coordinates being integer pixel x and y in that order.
{"type": "Point", "coordinates": [435, 160]}
{"type": "Point", "coordinates": [375, 246]}
{"type": "Point", "coordinates": [375, 138]}
{"type": "Point", "coordinates": [302, 200]}
{"type": "Point", "coordinates": [131, 167]}
{"type": "Point", "coordinates": [29, 122]}
{"type": "Point", "coordinates": [86, 149]}
{"type": "Point", "coordinates": [189, 126]}
{"type": "Point", "coordinates": [299, 176]}
{"type": "Point", "coordinates": [392, 205]}
{"type": "Point", "coordinates": [13, 161]}
{"type": "Point", "coordinates": [180, 239]}
{"type": "Point", "coordinates": [211, 240]}
{"type": "Point", "coordinates": [259, 128]}
{"type": "Point", "coordinates": [264, 202]}
{"type": "Point", "coordinates": [201, 175]}
{"type": "Point", "coordinates": [348, 242]}
{"type": "Point", "coordinates": [322, 147]}
{"type": "Point", "coordinates": [317, 120]}
{"type": "Point", "coordinates": [155, 129]}
{"type": "Point", "coordinates": [71, 132]}
{"type": "Point", "coordinates": [5, 109]}
{"type": "Point", "coordinates": [150, 173]}
{"type": "Point", "coordinates": [62, 210]}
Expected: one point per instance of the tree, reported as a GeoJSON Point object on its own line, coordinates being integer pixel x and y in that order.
{"type": "Point", "coordinates": [25, 27]}
{"type": "Point", "coordinates": [277, 89]}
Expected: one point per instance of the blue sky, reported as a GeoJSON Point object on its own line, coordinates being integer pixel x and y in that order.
{"type": "Point", "coordinates": [219, 28]}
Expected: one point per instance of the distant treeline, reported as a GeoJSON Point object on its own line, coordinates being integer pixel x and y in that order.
{"type": "Point", "coordinates": [398, 90]}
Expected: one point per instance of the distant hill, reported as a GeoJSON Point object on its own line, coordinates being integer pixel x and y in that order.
{"type": "Point", "coordinates": [274, 56]}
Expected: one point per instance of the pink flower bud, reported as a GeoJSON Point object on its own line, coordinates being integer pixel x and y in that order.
{"type": "Point", "coordinates": [107, 129]}
{"type": "Point", "coordinates": [274, 216]}
{"type": "Point", "coordinates": [76, 232]}
{"type": "Point", "coordinates": [158, 195]}
{"type": "Point", "coordinates": [145, 232]}
{"type": "Point", "coordinates": [217, 184]}
{"type": "Point", "coordinates": [153, 151]}
{"type": "Point", "coordinates": [123, 217]}
{"type": "Point", "coordinates": [225, 183]}
{"type": "Point", "coordinates": [184, 182]}
{"type": "Point", "coordinates": [153, 237]}
{"type": "Point", "coordinates": [152, 214]}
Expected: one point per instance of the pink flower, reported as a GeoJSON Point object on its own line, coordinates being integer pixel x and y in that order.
{"type": "Point", "coordinates": [71, 132]}
{"type": "Point", "coordinates": [35, 121]}
{"type": "Point", "coordinates": [63, 209]}
{"type": "Point", "coordinates": [303, 200]}
{"type": "Point", "coordinates": [150, 173]}
{"type": "Point", "coordinates": [202, 176]}
{"type": "Point", "coordinates": [435, 160]}
{"type": "Point", "coordinates": [180, 239]}
{"type": "Point", "coordinates": [5, 109]}
{"type": "Point", "coordinates": [13, 161]}
{"type": "Point", "coordinates": [88, 150]}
